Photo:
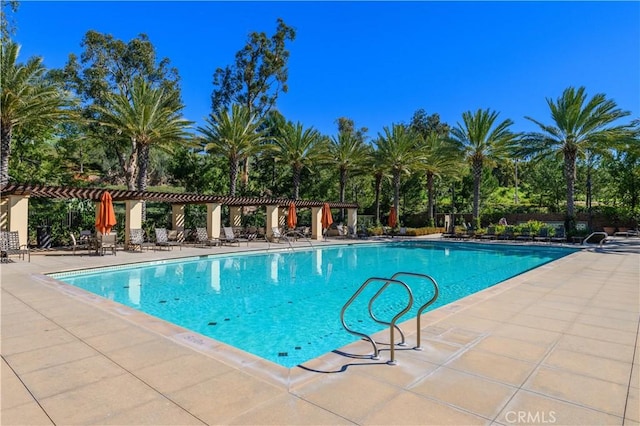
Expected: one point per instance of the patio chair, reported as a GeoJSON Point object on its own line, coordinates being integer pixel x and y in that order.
{"type": "Point", "coordinates": [202, 238]}
{"type": "Point", "coordinates": [251, 234]}
{"type": "Point", "coordinates": [10, 246]}
{"type": "Point", "coordinates": [107, 242]}
{"type": "Point", "coordinates": [362, 233]}
{"type": "Point", "coordinates": [136, 239]}
{"type": "Point", "coordinates": [79, 244]}
{"type": "Point", "coordinates": [162, 240]}
{"type": "Point", "coordinates": [490, 234]}
{"type": "Point", "coordinates": [229, 237]}
{"type": "Point", "coordinates": [276, 235]}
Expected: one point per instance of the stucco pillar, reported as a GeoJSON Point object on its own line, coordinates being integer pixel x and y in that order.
{"type": "Point", "coordinates": [316, 223]}
{"type": "Point", "coordinates": [352, 218]}
{"type": "Point", "coordinates": [177, 220]}
{"type": "Point", "coordinates": [272, 220]}
{"type": "Point", "coordinates": [235, 216]}
{"type": "Point", "coordinates": [133, 218]}
{"type": "Point", "coordinates": [214, 211]}
{"type": "Point", "coordinates": [19, 216]}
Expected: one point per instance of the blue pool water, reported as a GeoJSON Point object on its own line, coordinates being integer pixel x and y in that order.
{"type": "Point", "coordinates": [285, 306]}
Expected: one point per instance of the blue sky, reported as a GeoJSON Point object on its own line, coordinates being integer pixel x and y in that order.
{"type": "Point", "coordinates": [375, 62]}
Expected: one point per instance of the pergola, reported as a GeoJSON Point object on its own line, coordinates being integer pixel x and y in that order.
{"type": "Point", "coordinates": [14, 207]}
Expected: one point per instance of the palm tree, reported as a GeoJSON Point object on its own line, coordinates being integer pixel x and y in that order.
{"type": "Point", "coordinates": [579, 125]}
{"type": "Point", "coordinates": [442, 158]}
{"type": "Point", "coordinates": [27, 98]}
{"type": "Point", "coordinates": [400, 153]}
{"type": "Point", "coordinates": [379, 172]}
{"type": "Point", "coordinates": [299, 148]}
{"type": "Point", "coordinates": [235, 136]}
{"type": "Point", "coordinates": [349, 153]}
{"type": "Point", "coordinates": [149, 117]}
{"type": "Point", "coordinates": [483, 144]}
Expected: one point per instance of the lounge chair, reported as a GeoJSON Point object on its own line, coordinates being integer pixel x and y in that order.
{"type": "Point", "coordinates": [162, 240]}
{"type": "Point", "coordinates": [525, 235]}
{"type": "Point", "coordinates": [202, 238]}
{"type": "Point", "coordinates": [10, 246]}
{"type": "Point", "coordinates": [229, 237]}
{"type": "Point", "coordinates": [559, 236]}
{"type": "Point", "coordinates": [596, 238]}
{"type": "Point", "coordinates": [543, 235]}
{"type": "Point", "coordinates": [79, 244]}
{"type": "Point", "coordinates": [402, 232]}
{"type": "Point", "coordinates": [507, 234]}
{"type": "Point", "coordinates": [342, 231]}
{"type": "Point", "coordinates": [490, 234]}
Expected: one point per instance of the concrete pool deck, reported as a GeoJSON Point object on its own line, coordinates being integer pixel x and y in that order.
{"type": "Point", "coordinates": [556, 345]}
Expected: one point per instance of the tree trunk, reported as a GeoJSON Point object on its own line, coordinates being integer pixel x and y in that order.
{"type": "Point", "coordinates": [343, 186]}
{"type": "Point", "coordinates": [129, 166]}
{"type": "Point", "coordinates": [5, 143]}
{"type": "Point", "coordinates": [570, 177]}
{"type": "Point", "coordinates": [233, 176]}
{"type": "Point", "coordinates": [396, 193]}
{"type": "Point", "coordinates": [296, 182]}
{"type": "Point", "coordinates": [477, 176]}
{"type": "Point", "coordinates": [143, 167]}
{"type": "Point", "coordinates": [378, 187]}
{"type": "Point", "coordinates": [430, 198]}
{"type": "Point", "coordinates": [245, 173]}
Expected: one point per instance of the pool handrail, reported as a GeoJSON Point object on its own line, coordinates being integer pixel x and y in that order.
{"type": "Point", "coordinates": [436, 292]}
{"type": "Point", "coordinates": [387, 283]}
{"type": "Point", "coordinates": [294, 233]}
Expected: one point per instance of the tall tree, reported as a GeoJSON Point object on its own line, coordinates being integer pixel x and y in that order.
{"type": "Point", "coordinates": [484, 142]}
{"type": "Point", "coordinates": [299, 148]}
{"type": "Point", "coordinates": [7, 25]}
{"type": "Point", "coordinates": [579, 125]}
{"type": "Point", "coordinates": [400, 152]}
{"type": "Point", "coordinates": [235, 136]}
{"type": "Point", "coordinates": [256, 78]}
{"type": "Point", "coordinates": [349, 152]}
{"type": "Point", "coordinates": [146, 117]}
{"type": "Point", "coordinates": [28, 99]}
{"type": "Point", "coordinates": [441, 156]}
{"type": "Point", "coordinates": [379, 172]}
{"type": "Point", "coordinates": [441, 159]}
{"type": "Point", "coordinates": [107, 68]}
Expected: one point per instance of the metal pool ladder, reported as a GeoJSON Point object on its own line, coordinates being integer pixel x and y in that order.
{"type": "Point", "coordinates": [392, 324]}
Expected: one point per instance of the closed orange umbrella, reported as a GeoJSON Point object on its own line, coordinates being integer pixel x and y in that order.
{"type": "Point", "coordinates": [106, 216]}
{"type": "Point", "coordinates": [292, 217]}
{"type": "Point", "coordinates": [327, 219]}
{"type": "Point", "coordinates": [393, 217]}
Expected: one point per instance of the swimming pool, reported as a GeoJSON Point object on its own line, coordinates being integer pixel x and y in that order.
{"type": "Point", "coordinates": [285, 306]}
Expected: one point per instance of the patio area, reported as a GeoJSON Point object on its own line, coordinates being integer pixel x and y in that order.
{"type": "Point", "coordinates": [556, 345]}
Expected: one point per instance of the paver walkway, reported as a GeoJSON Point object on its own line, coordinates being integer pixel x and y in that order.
{"type": "Point", "coordinates": [557, 345]}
